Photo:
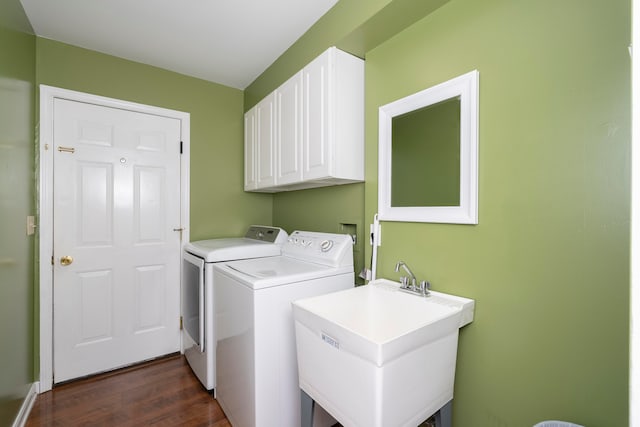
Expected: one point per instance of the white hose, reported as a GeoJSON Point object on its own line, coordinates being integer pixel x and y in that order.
{"type": "Point", "coordinates": [374, 242]}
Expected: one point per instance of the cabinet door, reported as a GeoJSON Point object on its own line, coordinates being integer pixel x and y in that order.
{"type": "Point", "coordinates": [289, 131]}
{"type": "Point", "coordinates": [317, 119]}
{"type": "Point", "coordinates": [265, 141]}
{"type": "Point", "coordinates": [250, 150]}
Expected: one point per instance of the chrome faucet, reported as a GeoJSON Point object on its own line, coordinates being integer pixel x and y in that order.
{"type": "Point", "coordinates": [408, 270]}
{"type": "Point", "coordinates": [422, 290]}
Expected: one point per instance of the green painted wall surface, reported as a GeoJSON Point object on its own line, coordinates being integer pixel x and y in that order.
{"type": "Point", "coordinates": [17, 77]}
{"type": "Point", "coordinates": [219, 205]}
{"type": "Point", "coordinates": [548, 263]}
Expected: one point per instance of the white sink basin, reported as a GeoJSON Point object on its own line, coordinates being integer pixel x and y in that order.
{"type": "Point", "coordinates": [376, 356]}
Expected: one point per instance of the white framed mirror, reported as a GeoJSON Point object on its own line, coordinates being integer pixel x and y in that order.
{"type": "Point", "coordinates": [428, 154]}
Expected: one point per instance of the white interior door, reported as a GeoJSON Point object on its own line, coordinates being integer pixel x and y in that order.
{"type": "Point", "coordinates": [116, 203]}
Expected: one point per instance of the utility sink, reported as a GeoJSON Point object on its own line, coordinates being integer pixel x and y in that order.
{"type": "Point", "coordinates": [377, 356]}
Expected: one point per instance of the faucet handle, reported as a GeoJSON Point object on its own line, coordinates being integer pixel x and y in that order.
{"type": "Point", "coordinates": [425, 287]}
{"type": "Point", "coordinates": [404, 282]}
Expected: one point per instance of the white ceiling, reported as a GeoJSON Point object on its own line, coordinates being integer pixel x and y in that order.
{"type": "Point", "coordinates": [230, 42]}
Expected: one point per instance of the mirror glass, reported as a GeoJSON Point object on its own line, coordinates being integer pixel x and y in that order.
{"type": "Point", "coordinates": [425, 147]}
{"type": "Point", "coordinates": [428, 154]}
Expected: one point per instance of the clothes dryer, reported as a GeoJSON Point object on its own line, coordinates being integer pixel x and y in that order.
{"type": "Point", "coordinates": [198, 319]}
{"type": "Point", "coordinates": [257, 374]}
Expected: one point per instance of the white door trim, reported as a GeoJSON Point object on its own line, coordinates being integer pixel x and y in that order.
{"type": "Point", "coordinates": [45, 201]}
{"type": "Point", "coordinates": [634, 327]}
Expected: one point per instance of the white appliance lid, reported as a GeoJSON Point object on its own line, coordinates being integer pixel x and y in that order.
{"type": "Point", "coordinates": [278, 270]}
{"type": "Point", "coordinates": [258, 241]}
{"type": "Point", "coordinates": [216, 250]}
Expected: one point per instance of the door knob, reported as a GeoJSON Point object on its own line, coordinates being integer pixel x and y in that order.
{"type": "Point", "coordinates": [66, 260]}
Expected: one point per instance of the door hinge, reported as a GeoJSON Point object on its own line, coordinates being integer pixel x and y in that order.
{"type": "Point", "coordinates": [181, 143]}
{"type": "Point", "coordinates": [52, 261]}
{"type": "Point", "coordinates": [180, 322]}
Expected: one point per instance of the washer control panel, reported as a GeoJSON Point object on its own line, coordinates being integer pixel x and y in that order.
{"type": "Point", "coordinates": [305, 241]}
{"type": "Point", "coordinates": [325, 248]}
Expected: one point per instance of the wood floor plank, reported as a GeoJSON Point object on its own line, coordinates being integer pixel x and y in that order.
{"type": "Point", "coordinates": [160, 393]}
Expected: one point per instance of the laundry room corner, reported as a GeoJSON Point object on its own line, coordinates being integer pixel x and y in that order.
{"type": "Point", "coordinates": [325, 209]}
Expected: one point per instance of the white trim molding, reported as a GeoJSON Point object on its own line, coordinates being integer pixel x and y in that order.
{"type": "Point", "coordinates": [27, 405]}
{"type": "Point", "coordinates": [634, 327]}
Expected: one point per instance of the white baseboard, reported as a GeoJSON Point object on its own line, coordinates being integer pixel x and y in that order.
{"type": "Point", "coordinates": [27, 404]}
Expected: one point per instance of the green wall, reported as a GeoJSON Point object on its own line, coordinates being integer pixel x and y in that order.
{"type": "Point", "coordinates": [17, 189]}
{"type": "Point", "coordinates": [219, 206]}
{"type": "Point", "coordinates": [548, 263]}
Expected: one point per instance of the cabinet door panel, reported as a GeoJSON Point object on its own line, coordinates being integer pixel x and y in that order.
{"type": "Point", "coordinates": [265, 119]}
{"type": "Point", "coordinates": [317, 119]}
{"type": "Point", "coordinates": [289, 140]}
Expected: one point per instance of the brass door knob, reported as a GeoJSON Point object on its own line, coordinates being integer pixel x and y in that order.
{"type": "Point", "coordinates": [66, 260]}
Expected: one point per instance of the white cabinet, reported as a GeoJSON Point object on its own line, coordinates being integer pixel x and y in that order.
{"type": "Point", "coordinates": [317, 128]}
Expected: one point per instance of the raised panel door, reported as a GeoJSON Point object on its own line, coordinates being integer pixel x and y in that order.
{"type": "Point", "coordinates": [265, 141]}
{"type": "Point", "coordinates": [289, 131]}
{"type": "Point", "coordinates": [116, 204]}
{"type": "Point", "coordinates": [317, 123]}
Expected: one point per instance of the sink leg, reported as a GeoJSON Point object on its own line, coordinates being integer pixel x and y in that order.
{"type": "Point", "coordinates": [307, 405]}
{"type": "Point", "coordinates": [443, 416]}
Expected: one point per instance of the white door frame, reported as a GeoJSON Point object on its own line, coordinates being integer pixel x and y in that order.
{"type": "Point", "coordinates": [45, 200]}
{"type": "Point", "coordinates": [634, 344]}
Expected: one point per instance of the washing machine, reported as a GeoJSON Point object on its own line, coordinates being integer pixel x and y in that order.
{"type": "Point", "coordinates": [257, 374]}
{"type": "Point", "coordinates": [198, 317]}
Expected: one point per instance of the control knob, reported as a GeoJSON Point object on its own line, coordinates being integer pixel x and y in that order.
{"type": "Point", "coordinates": [326, 245]}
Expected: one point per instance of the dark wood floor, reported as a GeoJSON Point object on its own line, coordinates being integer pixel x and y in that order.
{"type": "Point", "coordinates": [159, 393]}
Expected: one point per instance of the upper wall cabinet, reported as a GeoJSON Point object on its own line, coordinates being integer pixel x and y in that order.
{"type": "Point", "coordinates": [310, 131]}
